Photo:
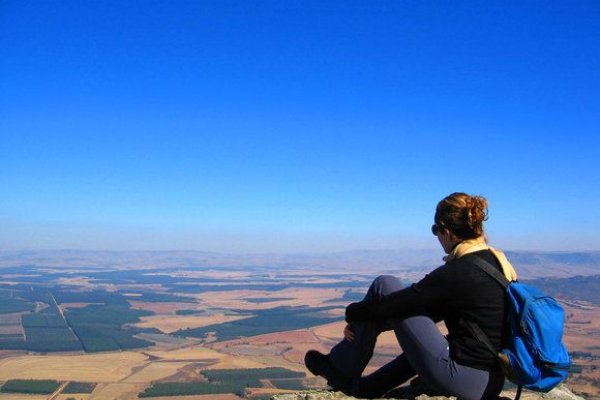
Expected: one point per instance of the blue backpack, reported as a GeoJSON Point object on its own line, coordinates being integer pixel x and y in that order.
{"type": "Point", "coordinates": [532, 355]}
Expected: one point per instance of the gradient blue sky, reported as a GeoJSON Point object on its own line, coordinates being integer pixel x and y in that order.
{"type": "Point", "coordinates": [283, 126]}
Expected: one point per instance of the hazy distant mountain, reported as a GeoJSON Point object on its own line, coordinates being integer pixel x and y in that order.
{"type": "Point", "coordinates": [528, 264]}
{"type": "Point", "coordinates": [368, 261]}
{"type": "Point", "coordinates": [582, 288]}
{"type": "Point", "coordinates": [531, 264]}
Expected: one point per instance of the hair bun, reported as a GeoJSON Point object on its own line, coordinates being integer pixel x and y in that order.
{"type": "Point", "coordinates": [477, 206]}
{"type": "Point", "coordinates": [463, 214]}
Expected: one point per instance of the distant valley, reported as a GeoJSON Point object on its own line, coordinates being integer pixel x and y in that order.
{"type": "Point", "coordinates": [176, 323]}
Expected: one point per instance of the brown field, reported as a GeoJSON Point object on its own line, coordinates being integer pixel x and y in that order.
{"type": "Point", "coordinates": [233, 362]}
{"type": "Point", "coordinates": [132, 295]}
{"type": "Point", "coordinates": [299, 296]}
{"type": "Point", "coordinates": [76, 281]}
{"type": "Point", "coordinates": [161, 308]}
{"type": "Point", "coordinates": [582, 334]}
{"type": "Point", "coordinates": [11, 330]}
{"type": "Point", "coordinates": [582, 328]}
{"type": "Point", "coordinates": [11, 319]}
{"type": "Point", "coordinates": [284, 349]}
{"type": "Point", "coordinates": [121, 375]}
{"type": "Point", "coordinates": [172, 323]}
{"type": "Point", "coordinates": [154, 371]}
{"type": "Point", "coordinates": [11, 324]}
{"type": "Point", "coordinates": [117, 391]}
{"type": "Point", "coordinates": [195, 354]}
{"type": "Point", "coordinates": [165, 342]}
{"type": "Point", "coordinates": [297, 336]}
{"type": "Point", "coordinates": [104, 367]}
{"type": "Point", "coordinates": [213, 274]}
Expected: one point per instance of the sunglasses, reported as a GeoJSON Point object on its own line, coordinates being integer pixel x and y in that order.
{"type": "Point", "coordinates": [435, 229]}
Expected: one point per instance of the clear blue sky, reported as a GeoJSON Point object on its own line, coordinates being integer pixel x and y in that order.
{"type": "Point", "coordinates": [279, 126]}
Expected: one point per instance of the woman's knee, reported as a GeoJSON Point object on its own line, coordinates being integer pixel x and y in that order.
{"type": "Point", "coordinates": [384, 285]}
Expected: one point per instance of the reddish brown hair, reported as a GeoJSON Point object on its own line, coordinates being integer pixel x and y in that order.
{"type": "Point", "coordinates": [462, 214]}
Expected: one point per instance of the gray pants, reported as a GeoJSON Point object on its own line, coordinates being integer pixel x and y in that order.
{"type": "Point", "coordinates": [425, 353]}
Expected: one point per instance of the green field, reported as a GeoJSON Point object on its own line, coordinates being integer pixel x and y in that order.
{"type": "Point", "coordinates": [99, 327]}
{"type": "Point", "coordinates": [10, 305]}
{"type": "Point", "coordinates": [47, 331]}
{"type": "Point", "coordinates": [278, 319]}
{"type": "Point", "coordinates": [267, 299]}
{"type": "Point", "coordinates": [30, 386]}
{"type": "Point", "coordinates": [189, 312]}
{"type": "Point", "coordinates": [250, 376]}
{"type": "Point", "coordinates": [96, 327]}
{"type": "Point", "coordinates": [79, 387]}
{"type": "Point", "coordinates": [222, 381]}
{"type": "Point", "coordinates": [191, 388]}
{"type": "Point", "coordinates": [288, 384]}
{"type": "Point", "coordinates": [46, 319]}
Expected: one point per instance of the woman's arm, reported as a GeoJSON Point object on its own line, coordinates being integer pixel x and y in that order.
{"type": "Point", "coordinates": [424, 297]}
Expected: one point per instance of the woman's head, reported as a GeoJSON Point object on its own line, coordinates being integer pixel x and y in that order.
{"type": "Point", "coordinates": [462, 215]}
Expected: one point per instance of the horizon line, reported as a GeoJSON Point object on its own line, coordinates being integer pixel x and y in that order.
{"type": "Point", "coordinates": [365, 250]}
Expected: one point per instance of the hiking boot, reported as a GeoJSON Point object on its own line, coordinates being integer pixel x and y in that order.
{"type": "Point", "coordinates": [320, 365]}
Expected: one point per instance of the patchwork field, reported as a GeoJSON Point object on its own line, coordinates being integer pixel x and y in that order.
{"type": "Point", "coordinates": [19, 396]}
{"type": "Point", "coordinates": [238, 299]}
{"type": "Point", "coordinates": [147, 327]}
{"type": "Point", "coordinates": [582, 338]}
{"type": "Point", "coordinates": [174, 323]}
{"type": "Point", "coordinates": [106, 367]}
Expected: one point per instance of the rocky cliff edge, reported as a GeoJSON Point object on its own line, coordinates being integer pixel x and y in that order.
{"type": "Point", "coordinates": [559, 393]}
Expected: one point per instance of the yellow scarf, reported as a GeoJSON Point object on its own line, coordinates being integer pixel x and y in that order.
{"type": "Point", "coordinates": [472, 245]}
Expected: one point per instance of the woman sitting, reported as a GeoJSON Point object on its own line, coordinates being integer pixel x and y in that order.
{"type": "Point", "coordinates": [458, 291]}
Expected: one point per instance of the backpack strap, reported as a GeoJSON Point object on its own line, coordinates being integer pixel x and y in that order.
{"type": "Point", "coordinates": [473, 327]}
{"type": "Point", "coordinates": [480, 335]}
{"type": "Point", "coordinates": [498, 277]}
{"type": "Point", "coordinates": [490, 270]}
{"type": "Point", "coordinates": [483, 338]}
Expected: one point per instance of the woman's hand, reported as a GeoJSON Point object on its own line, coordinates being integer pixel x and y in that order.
{"type": "Point", "coordinates": [348, 334]}
{"type": "Point", "coordinates": [357, 311]}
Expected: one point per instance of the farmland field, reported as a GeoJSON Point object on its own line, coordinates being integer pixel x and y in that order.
{"type": "Point", "coordinates": [123, 332]}
{"type": "Point", "coordinates": [79, 387]}
{"type": "Point", "coordinates": [221, 382]}
{"type": "Point", "coordinates": [29, 386]}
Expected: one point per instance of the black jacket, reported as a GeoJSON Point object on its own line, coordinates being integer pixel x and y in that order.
{"type": "Point", "coordinates": [453, 292]}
